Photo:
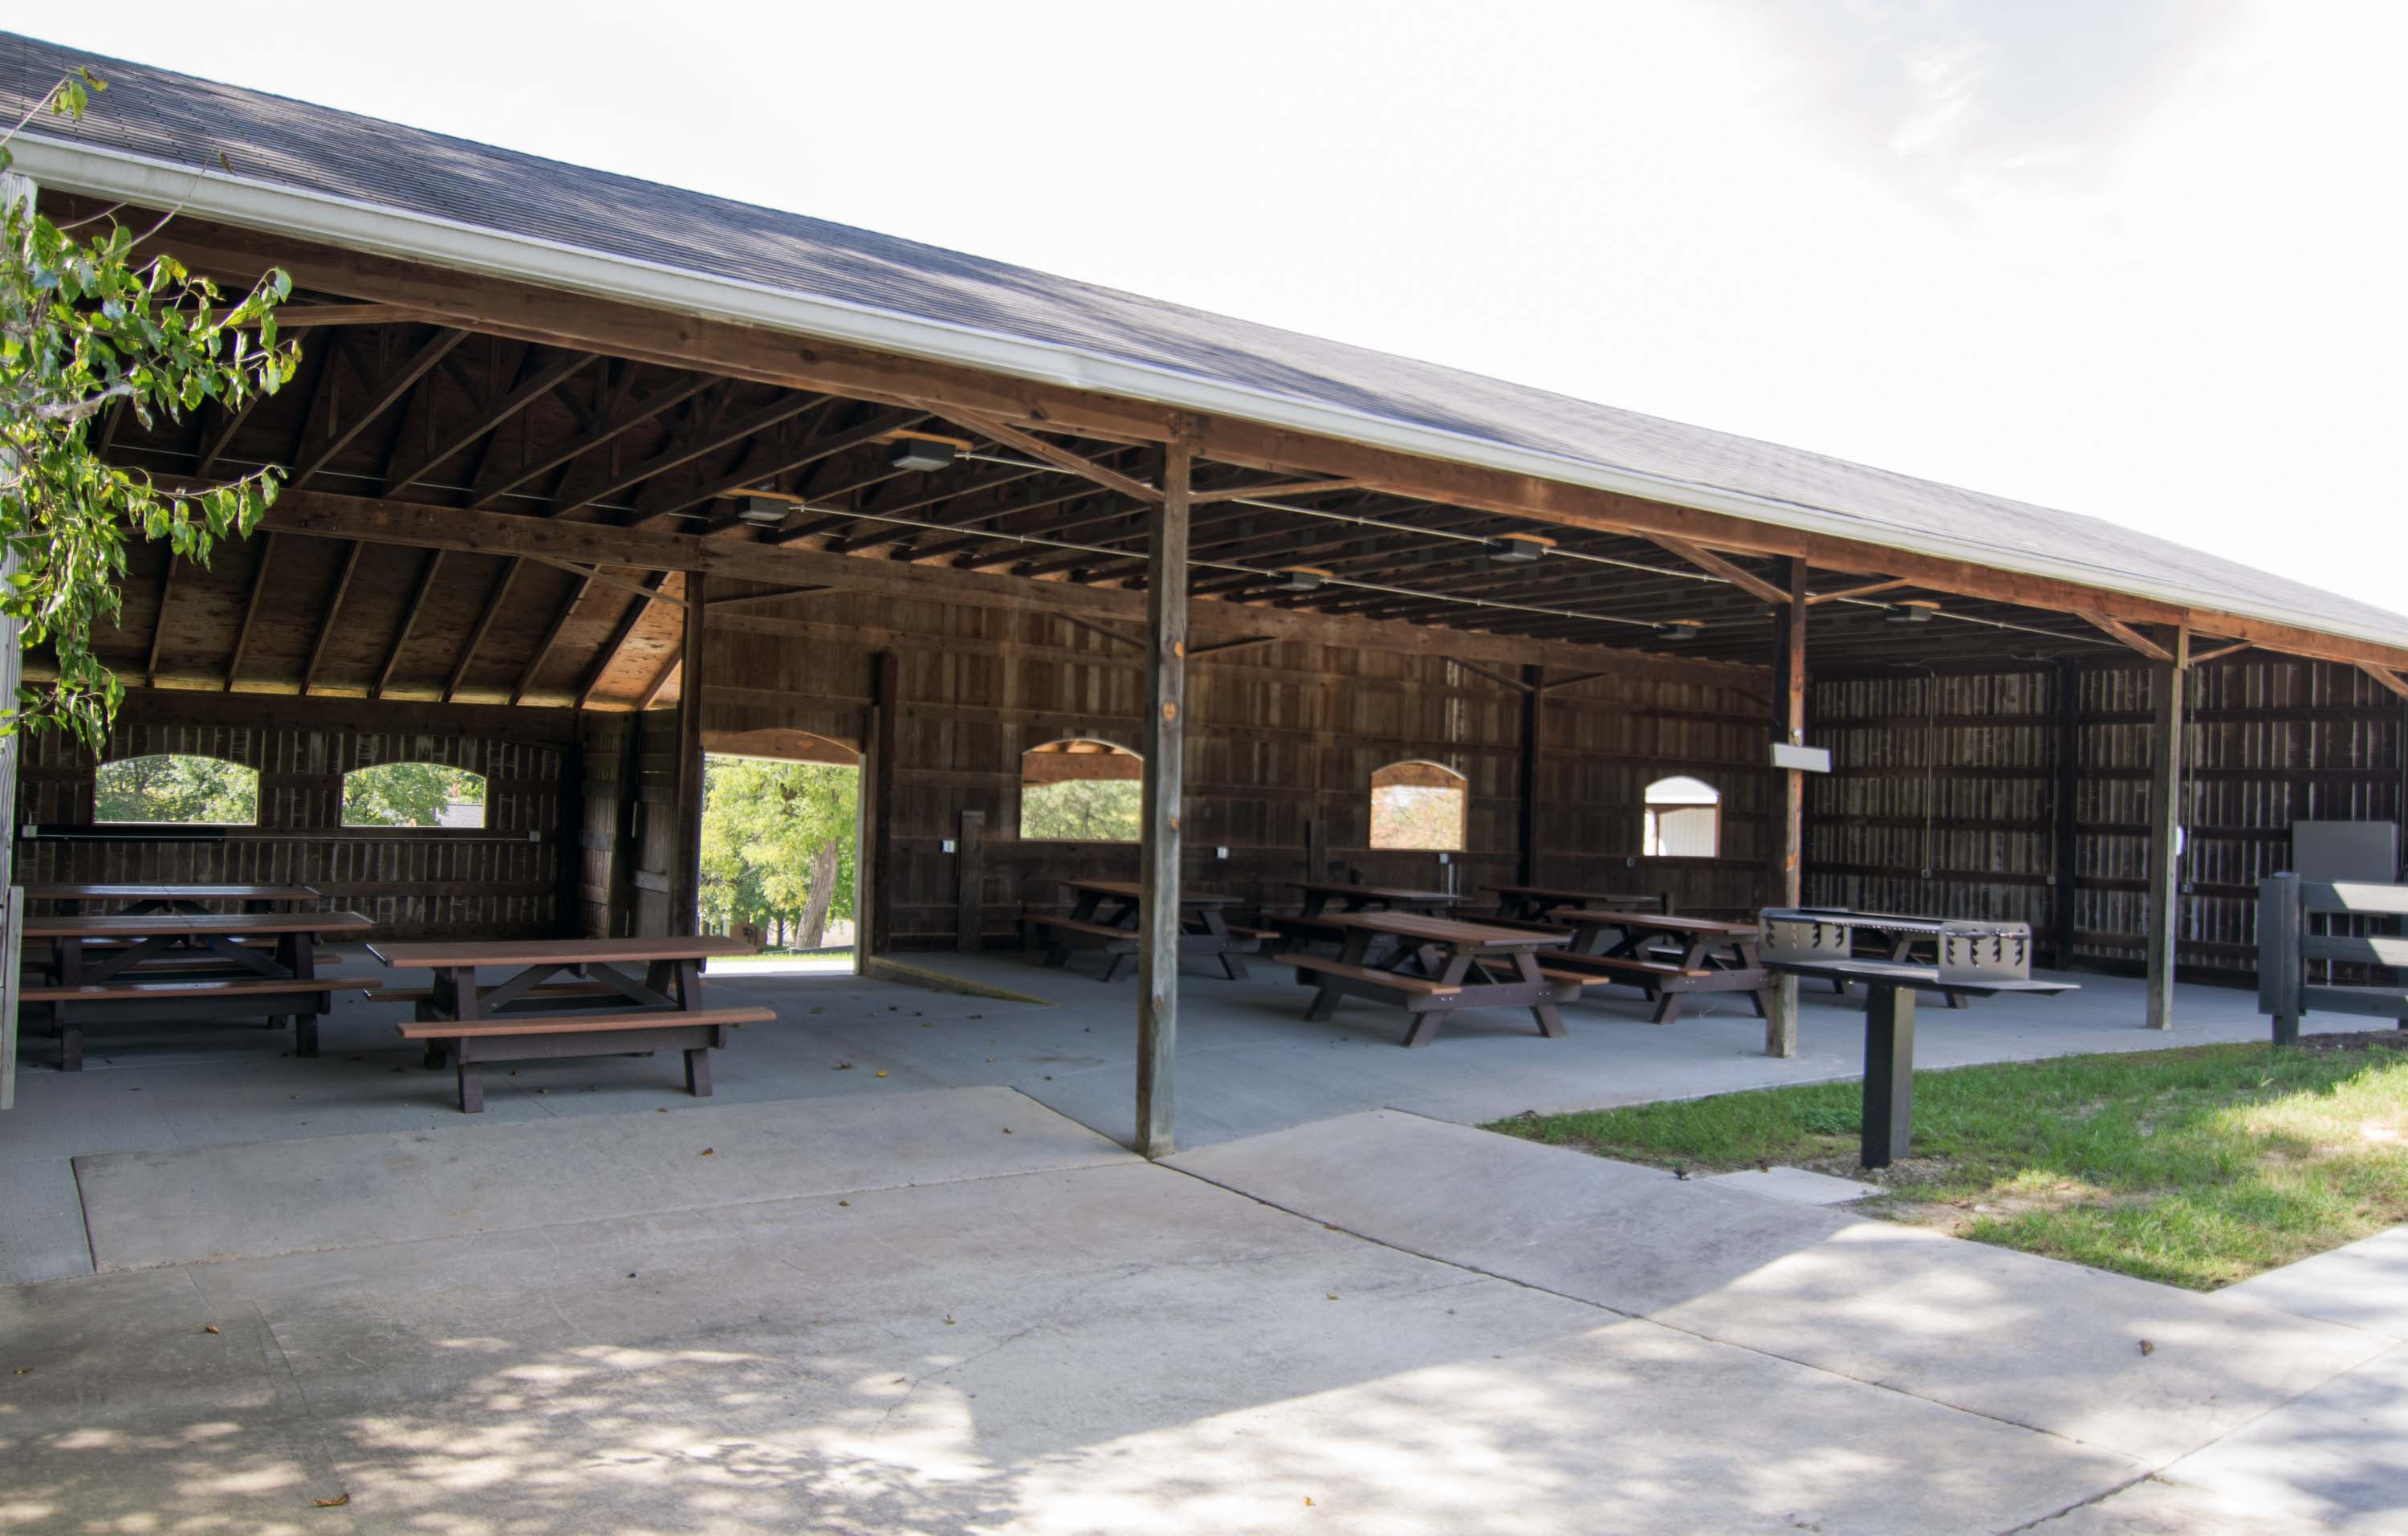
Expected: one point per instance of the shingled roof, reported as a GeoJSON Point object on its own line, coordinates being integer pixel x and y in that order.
{"type": "Point", "coordinates": [1008, 318]}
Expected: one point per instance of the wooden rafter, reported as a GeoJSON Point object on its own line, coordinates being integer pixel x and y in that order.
{"type": "Point", "coordinates": [493, 606]}
{"type": "Point", "coordinates": [1497, 677]}
{"type": "Point", "coordinates": [159, 625]}
{"type": "Point", "coordinates": [393, 390]}
{"type": "Point", "coordinates": [534, 387]}
{"type": "Point", "coordinates": [1107, 631]}
{"type": "Point", "coordinates": [1217, 648]}
{"type": "Point", "coordinates": [250, 609]}
{"type": "Point", "coordinates": [408, 621]}
{"type": "Point", "coordinates": [601, 434]}
{"type": "Point", "coordinates": [1037, 448]}
{"type": "Point", "coordinates": [551, 635]}
{"type": "Point", "coordinates": [1847, 593]}
{"type": "Point", "coordinates": [1548, 686]}
{"type": "Point", "coordinates": [620, 634]}
{"type": "Point", "coordinates": [1714, 565]}
{"type": "Point", "coordinates": [753, 599]}
{"type": "Point", "coordinates": [2130, 636]}
{"type": "Point", "coordinates": [801, 455]}
{"type": "Point", "coordinates": [2387, 677]}
{"type": "Point", "coordinates": [334, 611]}
{"type": "Point", "coordinates": [2200, 658]}
{"type": "Point", "coordinates": [592, 573]}
{"type": "Point", "coordinates": [660, 683]}
{"type": "Point", "coordinates": [697, 444]}
{"type": "Point", "coordinates": [1292, 488]}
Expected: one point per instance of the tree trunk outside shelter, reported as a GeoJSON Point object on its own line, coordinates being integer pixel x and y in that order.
{"type": "Point", "coordinates": [823, 895]}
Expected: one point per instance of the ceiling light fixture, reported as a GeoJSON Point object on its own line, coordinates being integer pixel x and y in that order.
{"type": "Point", "coordinates": [1680, 630]}
{"type": "Point", "coordinates": [763, 511]}
{"type": "Point", "coordinates": [1301, 578]}
{"type": "Point", "coordinates": [922, 453]}
{"type": "Point", "coordinates": [1519, 549]}
{"type": "Point", "coordinates": [1914, 610]}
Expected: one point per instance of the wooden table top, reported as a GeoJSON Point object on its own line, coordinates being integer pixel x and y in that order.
{"type": "Point", "coordinates": [1445, 930]}
{"type": "Point", "coordinates": [1553, 894]}
{"type": "Point", "coordinates": [1655, 922]}
{"type": "Point", "coordinates": [1131, 890]}
{"type": "Point", "coordinates": [440, 955]}
{"type": "Point", "coordinates": [1375, 893]}
{"type": "Point", "coordinates": [172, 892]}
{"type": "Point", "coordinates": [155, 925]}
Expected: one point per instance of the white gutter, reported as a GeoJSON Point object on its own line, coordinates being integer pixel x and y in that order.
{"type": "Point", "coordinates": [113, 173]}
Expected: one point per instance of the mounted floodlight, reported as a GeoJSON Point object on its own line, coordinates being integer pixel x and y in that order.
{"type": "Point", "coordinates": [1301, 578]}
{"type": "Point", "coordinates": [922, 453]}
{"type": "Point", "coordinates": [1680, 630]}
{"type": "Point", "coordinates": [1914, 610]}
{"type": "Point", "coordinates": [1518, 549]}
{"type": "Point", "coordinates": [763, 511]}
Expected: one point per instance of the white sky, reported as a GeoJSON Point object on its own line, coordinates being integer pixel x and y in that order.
{"type": "Point", "coordinates": [2138, 258]}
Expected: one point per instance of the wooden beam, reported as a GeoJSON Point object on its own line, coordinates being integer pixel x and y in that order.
{"type": "Point", "coordinates": [159, 625]}
{"type": "Point", "coordinates": [969, 881]}
{"type": "Point", "coordinates": [539, 385]}
{"type": "Point", "coordinates": [222, 432]}
{"type": "Point", "coordinates": [426, 575]}
{"type": "Point", "coordinates": [1533, 745]}
{"type": "Point", "coordinates": [874, 893]}
{"type": "Point", "coordinates": [1868, 590]}
{"type": "Point", "coordinates": [699, 444]}
{"type": "Point", "coordinates": [600, 435]}
{"type": "Point", "coordinates": [1052, 454]}
{"type": "Point", "coordinates": [753, 599]}
{"type": "Point", "coordinates": [1293, 488]}
{"type": "Point", "coordinates": [393, 389]}
{"type": "Point", "coordinates": [1165, 751]}
{"type": "Point", "coordinates": [1497, 677]}
{"type": "Point", "coordinates": [2389, 679]}
{"type": "Point", "coordinates": [1789, 825]}
{"type": "Point", "coordinates": [192, 706]}
{"type": "Point", "coordinates": [658, 685]}
{"type": "Point", "coordinates": [1136, 642]}
{"type": "Point", "coordinates": [334, 611]}
{"type": "Point", "coordinates": [1221, 648]}
{"type": "Point", "coordinates": [2065, 812]}
{"type": "Point", "coordinates": [251, 611]}
{"type": "Point", "coordinates": [2130, 636]}
{"type": "Point", "coordinates": [1714, 565]}
{"type": "Point", "coordinates": [2222, 653]}
{"type": "Point", "coordinates": [1573, 680]}
{"type": "Point", "coordinates": [685, 901]}
{"type": "Point", "coordinates": [2172, 681]}
{"type": "Point", "coordinates": [552, 637]}
{"type": "Point", "coordinates": [602, 578]}
{"type": "Point", "coordinates": [325, 515]}
{"type": "Point", "coordinates": [617, 641]}
{"type": "Point", "coordinates": [493, 606]}
{"type": "Point", "coordinates": [503, 306]}
{"type": "Point", "coordinates": [801, 455]}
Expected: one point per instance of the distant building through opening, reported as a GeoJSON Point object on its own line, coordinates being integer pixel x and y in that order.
{"type": "Point", "coordinates": [1420, 805]}
{"type": "Point", "coordinates": [419, 795]}
{"type": "Point", "coordinates": [1685, 819]}
{"type": "Point", "coordinates": [1081, 791]}
{"type": "Point", "coordinates": [180, 789]}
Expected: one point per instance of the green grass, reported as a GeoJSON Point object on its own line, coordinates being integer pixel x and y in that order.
{"type": "Point", "coordinates": [2195, 1168]}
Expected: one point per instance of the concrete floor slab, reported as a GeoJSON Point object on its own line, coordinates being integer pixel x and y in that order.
{"type": "Point", "coordinates": [1797, 1185]}
{"type": "Point", "coordinates": [2364, 1284]}
{"type": "Point", "coordinates": [1099, 1348]}
{"type": "Point", "coordinates": [200, 1204]}
{"type": "Point", "coordinates": [2337, 1455]}
{"type": "Point", "coordinates": [2022, 1339]}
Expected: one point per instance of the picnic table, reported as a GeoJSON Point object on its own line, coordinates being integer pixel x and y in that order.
{"type": "Point", "coordinates": [1104, 917]}
{"type": "Point", "coordinates": [1438, 965]}
{"type": "Point", "coordinates": [123, 966]}
{"type": "Point", "coordinates": [1533, 903]}
{"type": "Point", "coordinates": [1670, 958]}
{"type": "Point", "coordinates": [608, 1011]}
{"type": "Point", "coordinates": [148, 897]}
{"type": "Point", "coordinates": [1313, 925]}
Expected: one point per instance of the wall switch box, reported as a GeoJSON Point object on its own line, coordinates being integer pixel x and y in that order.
{"type": "Point", "coordinates": [1220, 852]}
{"type": "Point", "coordinates": [1444, 859]}
{"type": "Point", "coordinates": [949, 845]}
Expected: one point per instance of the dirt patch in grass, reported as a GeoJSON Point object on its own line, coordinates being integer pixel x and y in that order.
{"type": "Point", "coordinates": [2195, 1167]}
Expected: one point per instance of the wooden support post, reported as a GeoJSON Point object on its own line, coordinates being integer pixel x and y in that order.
{"type": "Point", "coordinates": [970, 876]}
{"type": "Point", "coordinates": [1789, 825]}
{"type": "Point", "coordinates": [1316, 846]}
{"type": "Point", "coordinates": [1526, 783]}
{"type": "Point", "coordinates": [878, 807]}
{"type": "Point", "coordinates": [1166, 734]}
{"type": "Point", "coordinates": [2165, 827]}
{"type": "Point", "coordinates": [685, 901]}
{"type": "Point", "coordinates": [2066, 822]}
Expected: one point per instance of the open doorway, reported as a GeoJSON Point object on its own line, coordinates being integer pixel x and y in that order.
{"type": "Point", "coordinates": [780, 846]}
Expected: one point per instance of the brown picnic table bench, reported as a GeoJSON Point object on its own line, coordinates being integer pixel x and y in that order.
{"type": "Point", "coordinates": [1313, 925]}
{"type": "Point", "coordinates": [1437, 966]}
{"type": "Point", "coordinates": [1104, 917]}
{"type": "Point", "coordinates": [1536, 903]}
{"type": "Point", "coordinates": [1670, 958]}
{"type": "Point", "coordinates": [528, 1018]}
{"type": "Point", "coordinates": [139, 967]}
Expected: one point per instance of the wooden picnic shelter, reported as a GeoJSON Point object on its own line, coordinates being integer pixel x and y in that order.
{"type": "Point", "coordinates": [590, 476]}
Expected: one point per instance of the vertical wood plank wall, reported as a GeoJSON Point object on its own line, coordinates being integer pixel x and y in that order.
{"type": "Point", "coordinates": [1957, 774]}
{"type": "Point", "coordinates": [506, 878]}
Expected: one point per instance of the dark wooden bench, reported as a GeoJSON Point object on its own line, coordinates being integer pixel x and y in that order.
{"type": "Point", "coordinates": [1414, 994]}
{"type": "Point", "coordinates": [469, 1043]}
{"type": "Point", "coordinates": [1063, 934]}
{"type": "Point", "coordinates": [186, 999]}
{"type": "Point", "coordinates": [422, 997]}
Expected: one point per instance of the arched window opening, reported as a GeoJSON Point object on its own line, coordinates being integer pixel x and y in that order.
{"type": "Point", "coordinates": [1685, 819]}
{"type": "Point", "coordinates": [180, 788]}
{"type": "Point", "coordinates": [1418, 804]}
{"type": "Point", "coordinates": [413, 794]}
{"type": "Point", "coordinates": [1081, 791]}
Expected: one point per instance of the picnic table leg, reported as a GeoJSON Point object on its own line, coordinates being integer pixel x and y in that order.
{"type": "Point", "coordinates": [698, 1073]}
{"type": "Point", "coordinates": [1325, 1000]}
{"type": "Point", "coordinates": [296, 954]}
{"type": "Point", "coordinates": [1550, 1023]}
{"type": "Point", "coordinates": [471, 1078]}
{"type": "Point", "coordinates": [1218, 926]}
{"type": "Point", "coordinates": [1889, 1072]}
{"type": "Point", "coordinates": [455, 991]}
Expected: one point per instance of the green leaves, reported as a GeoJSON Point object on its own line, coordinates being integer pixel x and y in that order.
{"type": "Point", "coordinates": [84, 331]}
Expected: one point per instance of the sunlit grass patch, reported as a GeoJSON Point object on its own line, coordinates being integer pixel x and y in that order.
{"type": "Point", "coordinates": [2195, 1167]}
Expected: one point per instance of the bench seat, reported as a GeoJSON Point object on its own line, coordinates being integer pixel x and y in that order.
{"type": "Point", "coordinates": [151, 999]}
{"type": "Point", "coordinates": [1421, 986]}
{"type": "Point", "coordinates": [471, 1042]}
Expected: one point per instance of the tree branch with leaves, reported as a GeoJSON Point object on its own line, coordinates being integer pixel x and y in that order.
{"type": "Point", "coordinates": [88, 327]}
